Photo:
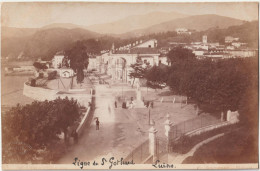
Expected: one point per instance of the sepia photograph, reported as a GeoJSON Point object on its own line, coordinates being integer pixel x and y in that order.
{"type": "Point", "coordinates": [129, 85]}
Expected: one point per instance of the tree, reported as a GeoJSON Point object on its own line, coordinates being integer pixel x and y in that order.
{"type": "Point", "coordinates": [65, 62]}
{"type": "Point", "coordinates": [52, 75]}
{"type": "Point", "coordinates": [39, 66]}
{"type": "Point", "coordinates": [157, 76]}
{"type": "Point", "coordinates": [183, 62]}
{"type": "Point", "coordinates": [78, 57]}
{"type": "Point", "coordinates": [36, 126]}
{"type": "Point", "coordinates": [181, 55]}
{"type": "Point", "coordinates": [138, 71]}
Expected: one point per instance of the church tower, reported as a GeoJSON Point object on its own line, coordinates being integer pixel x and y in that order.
{"type": "Point", "coordinates": [204, 39]}
{"type": "Point", "coordinates": [113, 48]}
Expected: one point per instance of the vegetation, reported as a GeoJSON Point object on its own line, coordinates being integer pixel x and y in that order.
{"type": "Point", "coordinates": [138, 70]}
{"type": "Point", "coordinates": [34, 129]}
{"type": "Point", "coordinates": [156, 76]}
{"type": "Point", "coordinates": [186, 143]}
{"type": "Point", "coordinates": [215, 86]}
{"type": "Point", "coordinates": [45, 43]}
{"type": "Point", "coordinates": [39, 66]}
{"type": "Point", "coordinates": [78, 56]}
{"type": "Point", "coordinates": [240, 146]}
{"type": "Point", "coordinates": [52, 75]}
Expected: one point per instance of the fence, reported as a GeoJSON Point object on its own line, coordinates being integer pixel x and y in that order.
{"type": "Point", "coordinates": [162, 149]}
{"type": "Point", "coordinates": [190, 125]}
{"type": "Point", "coordinates": [139, 154]}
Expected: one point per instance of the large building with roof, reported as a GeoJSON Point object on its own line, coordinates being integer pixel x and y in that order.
{"type": "Point", "coordinates": [117, 62]}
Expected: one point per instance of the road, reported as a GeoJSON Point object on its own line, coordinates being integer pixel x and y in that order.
{"type": "Point", "coordinates": [117, 136]}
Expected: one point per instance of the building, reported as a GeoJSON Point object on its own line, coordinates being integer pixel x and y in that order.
{"type": "Point", "coordinates": [57, 59]}
{"type": "Point", "coordinates": [182, 31]}
{"type": "Point", "coordinates": [230, 39]}
{"type": "Point", "coordinates": [204, 39]}
{"type": "Point", "coordinates": [92, 63]}
{"type": "Point", "coordinates": [237, 44]}
{"type": "Point", "coordinates": [147, 44]}
{"type": "Point", "coordinates": [117, 64]}
{"type": "Point", "coordinates": [66, 72]}
{"type": "Point", "coordinates": [242, 53]}
{"type": "Point", "coordinates": [163, 60]}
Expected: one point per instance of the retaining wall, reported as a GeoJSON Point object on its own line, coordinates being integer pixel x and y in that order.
{"type": "Point", "coordinates": [83, 122]}
{"type": "Point", "coordinates": [207, 128]}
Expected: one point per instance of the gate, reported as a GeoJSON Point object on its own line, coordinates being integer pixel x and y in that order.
{"type": "Point", "coordinates": [162, 150]}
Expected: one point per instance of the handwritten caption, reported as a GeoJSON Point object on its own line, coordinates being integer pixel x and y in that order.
{"type": "Point", "coordinates": [115, 162]}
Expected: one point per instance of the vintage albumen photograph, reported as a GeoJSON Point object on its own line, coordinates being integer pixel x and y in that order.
{"type": "Point", "coordinates": [127, 85]}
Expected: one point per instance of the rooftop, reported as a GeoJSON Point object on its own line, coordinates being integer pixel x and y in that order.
{"type": "Point", "coordinates": [138, 51]}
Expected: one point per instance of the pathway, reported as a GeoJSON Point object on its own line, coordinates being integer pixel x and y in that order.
{"type": "Point", "coordinates": [116, 137]}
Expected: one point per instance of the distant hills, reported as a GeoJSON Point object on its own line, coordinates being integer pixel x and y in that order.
{"type": "Point", "coordinates": [43, 42]}
{"type": "Point", "coordinates": [197, 22]}
{"type": "Point", "coordinates": [135, 22]}
{"type": "Point", "coordinates": [46, 41]}
{"type": "Point", "coordinates": [17, 32]}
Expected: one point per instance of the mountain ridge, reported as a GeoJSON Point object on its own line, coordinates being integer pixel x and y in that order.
{"type": "Point", "coordinates": [196, 22]}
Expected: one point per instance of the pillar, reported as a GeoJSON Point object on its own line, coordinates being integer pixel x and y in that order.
{"type": "Point", "coordinates": [152, 142]}
{"type": "Point", "coordinates": [168, 130]}
{"type": "Point", "coordinates": [228, 115]}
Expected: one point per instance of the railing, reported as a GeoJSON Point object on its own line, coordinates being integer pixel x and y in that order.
{"type": "Point", "coordinates": [139, 154]}
{"type": "Point", "coordinates": [187, 126]}
{"type": "Point", "coordinates": [162, 149]}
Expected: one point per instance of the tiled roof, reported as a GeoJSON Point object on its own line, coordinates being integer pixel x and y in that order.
{"type": "Point", "coordinates": [60, 53]}
{"type": "Point", "coordinates": [139, 51]}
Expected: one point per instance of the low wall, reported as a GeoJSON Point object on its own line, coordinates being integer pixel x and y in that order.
{"type": "Point", "coordinates": [207, 128]}
{"type": "Point", "coordinates": [39, 93]}
{"type": "Point", "coordinates": [82, 124]}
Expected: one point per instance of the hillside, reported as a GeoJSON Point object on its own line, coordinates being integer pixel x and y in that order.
{"type": "Point", "coordinates": [44, 43]}
{"type": "Point", "coordinates": [246, 32]}
{"type": "Point", "coordinates": [198, 23]}
{"type": "Point", "coordinates": [62, 25]}
{"type": "Point", "coordinates": [135, 22]}
{"type": "Point", "coordinates": [17, 32]}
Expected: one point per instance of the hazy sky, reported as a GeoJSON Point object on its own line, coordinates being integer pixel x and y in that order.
{"type": "Point", "coordinates": [39, 14]}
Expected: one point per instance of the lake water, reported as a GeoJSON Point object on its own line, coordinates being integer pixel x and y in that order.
{"type": "Point", "coordinates": [12, 90]}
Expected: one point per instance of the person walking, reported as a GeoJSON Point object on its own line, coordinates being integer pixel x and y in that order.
{"type": "Point", "coordinates": [97, 124]}
{"type": "Point", "coordinates": [115, 104]}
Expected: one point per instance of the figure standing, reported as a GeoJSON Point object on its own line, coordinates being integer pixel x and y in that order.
{"type": "Point", "coordinates": [97, 124]}
{"type": "Point", "coordinates": [115, 104]}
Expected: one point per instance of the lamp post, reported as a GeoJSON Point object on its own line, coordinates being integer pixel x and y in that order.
{"type": "Point", "coordinates": [149, 114]}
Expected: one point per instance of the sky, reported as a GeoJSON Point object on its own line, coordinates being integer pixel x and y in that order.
{"type": "Point", "coordinates": [38, 14]}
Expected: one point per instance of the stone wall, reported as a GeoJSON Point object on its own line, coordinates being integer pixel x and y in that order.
{"type": "Point", "coordinates": [207, 128]}
{"type": "Point", "coordinates": [83, 122]}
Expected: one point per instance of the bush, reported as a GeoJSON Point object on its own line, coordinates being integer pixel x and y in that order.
{"type": "Point", "coordinates": [52, 75]}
